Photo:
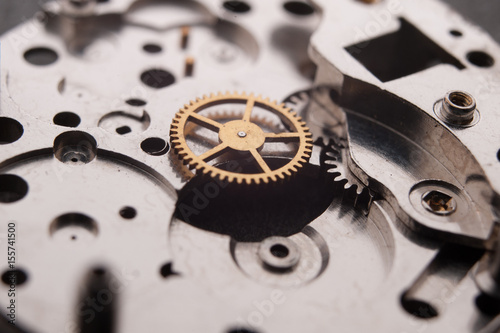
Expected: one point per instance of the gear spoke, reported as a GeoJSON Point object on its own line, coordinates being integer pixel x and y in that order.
{"type": "Point", "coordinates": [200, 138]}
{"type": "Point", "coordinates": [213, 153]}
{"type": "Point", "coordinates": [262, 164]}
{"type": "Point", "coordinates": [205, 122]}
{"type": "Point", "coordinates": [249, 108]}
{"type": "Point", "coordinates": [283, 137]}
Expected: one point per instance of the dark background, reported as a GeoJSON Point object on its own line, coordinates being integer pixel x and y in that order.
{"type": "Point", "coordinates": [483, 12]}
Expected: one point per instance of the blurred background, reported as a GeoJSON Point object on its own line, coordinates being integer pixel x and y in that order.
{"type": "Point", "coordinates": [482, 12]}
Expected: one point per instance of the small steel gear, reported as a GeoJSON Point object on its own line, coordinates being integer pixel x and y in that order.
{"type": "Point", "coordinates": [335, 157]}
{"type": "Point", "coordinates": [299, 101]}
{"type": "Point", "coordinates": [241, 135]}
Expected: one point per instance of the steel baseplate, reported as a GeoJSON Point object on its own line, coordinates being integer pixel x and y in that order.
{"type": "Point", "coordinates": [249, 166]}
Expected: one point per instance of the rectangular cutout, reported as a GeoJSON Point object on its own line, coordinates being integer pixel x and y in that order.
{"type": "Point", "coordinates": [401, 53]}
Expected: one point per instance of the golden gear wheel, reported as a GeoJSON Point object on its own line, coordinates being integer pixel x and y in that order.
{"type": "Point", "coordinates": [241, 135]}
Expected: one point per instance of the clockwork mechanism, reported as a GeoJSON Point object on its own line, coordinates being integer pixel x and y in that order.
{"type": "Point", "coordinates": [249, 167]}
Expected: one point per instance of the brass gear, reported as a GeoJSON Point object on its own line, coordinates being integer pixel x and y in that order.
{"type": "Point", "coordinates": [241, 135]}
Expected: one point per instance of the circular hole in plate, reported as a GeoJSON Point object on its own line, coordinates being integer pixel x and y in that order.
{"type": "Point", "coordinates": [67, 119]}
{"type": "Point", "coordinates": [279, 251]}
{"type": "Point", "coordinates": [155, 146]}
{"type": "Point", "coordinates": [41, 56]}
{"type": "Point", "coordinates": [122, 130]}
{"type": "Point", "coordinates": [74, 221]}
{"type": "Point", "coordinates": [152, 48]}
{"type": "Point", "coordinates": [76, 147]}
{"type": "Point", "coordinates": [12, 188]}
{"type": "Point", "coordinates": [241, 330]}
{"type": "Point", "coordinates": [135, 102]}
{"type": "Point", "coordinates": [16, 277]}
{"type": "Point", "coordinates": [480, 59]}
{"type": "Point", "coordinates": [237, 6]}
{"type": "Point", "coordinates": [10, 130]}
{"type": "Point", "coordinates": [419, 308]}
{"type": "Point", "coordinates": [298, 8]}
{"type": "Point", "coordinates": [157, 78]}
{"type": "Point", "coordinates": [128, 212]}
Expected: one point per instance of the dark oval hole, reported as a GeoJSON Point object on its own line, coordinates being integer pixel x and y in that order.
{"type": "Point", "coordinates": [16, 277]}
{"type": "Point", "coordinates": [12, 188]}
{"type": "Point", "coordinates": [67, 119]}
{"type": "Point", "coordinates": [10, 130]}
{"type": "Point", "coordinates": [155, 146]}
{"type": "Point", "coordinates": [152, 48]}
{"type": "Point", "coordinates": [157, 78]}
{"type": "Point", "coordinates": [41, 56]}
{"type": "Point", "coordinates": [418, 308]}
{"type": "Point", "coordinates": [279, 251]}
{"type": "Point", "coordinates": [128, 212]}
{"type": "Point", "coordinates": [298, 8]}
{"type": "Point", "coordinates": [480, 59]}
{"type": "Point", "coordinates": [135, 102]}
{"type": "Point", "coordinates": [237, 6]}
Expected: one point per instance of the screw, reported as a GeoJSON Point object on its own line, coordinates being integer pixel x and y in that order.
{"type": "Point", "coordinates": [458, 108]}
{"type": "Point", "coordinates": [242, 134]}
{"type": "Point", "coordinates": [439, 203]}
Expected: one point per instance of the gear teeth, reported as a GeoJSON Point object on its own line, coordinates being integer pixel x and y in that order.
{"type": "Point", "coordinates": [299, 101]}
{"type": "Point", "coordinates": [184, 153]}
{"type": "Point", "coordinates": [354, 192]}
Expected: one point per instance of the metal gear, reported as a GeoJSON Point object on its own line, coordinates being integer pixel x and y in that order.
{"type": "Point", "coordinates": [335, 157]}
{"type": "Point", "coordinates": [299, 101]}
{"type": "Point", "coordinates": [241, 135]}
